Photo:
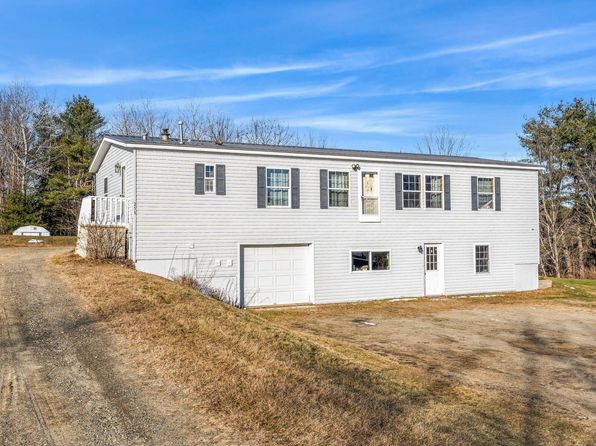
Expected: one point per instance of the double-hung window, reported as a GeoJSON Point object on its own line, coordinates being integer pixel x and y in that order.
{"type": "Point", "coordinates": [411, 191]}
{"type": "Point", "coordinates": [370, 260]}
{"type": "Point", "coordinates": [209, 178]}
{"type": "Point", "coordinates": [339, 189]}
{"type": "Point", "coordinates": [278, 187]}
{"type": "Point", "coordinates": [486, 193]}
{"type": "Point", "coordinates": [482, 258]}
{"type": "Point", "coordinates": [434, 191]}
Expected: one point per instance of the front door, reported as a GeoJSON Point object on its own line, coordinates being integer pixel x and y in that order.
{"type": "Point", "coordinates": [434, 277]}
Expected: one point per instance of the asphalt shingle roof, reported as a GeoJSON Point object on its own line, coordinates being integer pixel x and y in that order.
{"type": "Point", "coordinates": [133, 140]}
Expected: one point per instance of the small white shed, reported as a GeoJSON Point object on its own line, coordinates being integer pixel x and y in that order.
{"type": "Point", "coordinates": [36, 231]}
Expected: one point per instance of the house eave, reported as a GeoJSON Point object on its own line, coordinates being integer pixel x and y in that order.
{"type": "Point", "coordinates": [107, 142]}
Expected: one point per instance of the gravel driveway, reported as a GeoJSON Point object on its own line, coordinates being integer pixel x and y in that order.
{"type": "Point", "coordinates": [61, 381]}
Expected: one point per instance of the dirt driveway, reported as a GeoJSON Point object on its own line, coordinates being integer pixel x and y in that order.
{"type": "Point", "coordinates": [61, 382]}
{"type": "Point", "coordinates": [539, 353]}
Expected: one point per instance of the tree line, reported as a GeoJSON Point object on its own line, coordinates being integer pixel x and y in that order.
{"type": "Point", "coordinates": [562, 138]}
{"type": "Point", "coordinates": [45, 153]}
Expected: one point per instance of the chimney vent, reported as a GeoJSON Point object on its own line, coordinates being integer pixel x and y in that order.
{"type": "Point", "coordinates": [218, 142]}
{"type": "Point", "coordinates": [165, 134]}
{"type": "Point", "coordinates": [181, 132]}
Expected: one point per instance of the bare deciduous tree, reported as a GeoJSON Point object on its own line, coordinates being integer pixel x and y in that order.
{"type": "Point", "coordinates": [443, 142]}
{"type": "Point", "coordinates": [27, 127]}
{"type": "Point", "coordinates": [138, 119]}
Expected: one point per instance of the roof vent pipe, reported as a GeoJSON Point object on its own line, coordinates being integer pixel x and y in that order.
{"type": "Point", "coordinates": [165, 134]}
{"type": "Point", "coordinates": [180, 134]}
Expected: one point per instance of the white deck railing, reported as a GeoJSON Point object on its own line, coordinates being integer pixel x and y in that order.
{"type": "Point", "coordinates": [107, 211]}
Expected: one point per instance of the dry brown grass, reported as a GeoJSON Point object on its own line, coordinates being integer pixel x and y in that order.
{"type": "Point", "coordinates": [283, 388]}
{"type": "Point", "coordinates": [11, 241]}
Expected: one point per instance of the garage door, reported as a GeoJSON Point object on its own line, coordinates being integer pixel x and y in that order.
{"type": "Point", "coordinates": [276, 275]}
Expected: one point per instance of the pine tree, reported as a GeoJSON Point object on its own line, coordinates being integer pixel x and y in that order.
{"type": "Point", "coordinates": [69, 179]}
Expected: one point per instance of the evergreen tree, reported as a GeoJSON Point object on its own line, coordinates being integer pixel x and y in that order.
{"type": "Point", "coordinates": [20, 209]}
{"type": "Point", "coordinates": [68, 178]}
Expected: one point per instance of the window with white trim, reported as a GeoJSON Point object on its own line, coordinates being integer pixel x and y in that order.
{"type": "Point", "coordinates": [278, 187]}
{"type": "Point", "coordinates": [482, 258]}
{"type": "Point", "coordinates": [209, 179]}
{"type": "Point", "coordinates": [105, 187]}
{"type": "Point", "coordinates": [486, 193]}
{"type": "Point", "coordinates": [411, 191]}
{"type": "Point", "coordinates": [370, 194]}
{"type": "Point", "coordinates": [339, 189]}
{"type": "Point", "coordinates": [370, 260]}
{"type": "Point", "coordinates": [434, 191]}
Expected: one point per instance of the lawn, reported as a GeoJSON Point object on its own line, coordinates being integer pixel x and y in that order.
{"type": "Point", "coordinates": [10, 241]}
{"type": "Point", "coordinates": [280, 377]}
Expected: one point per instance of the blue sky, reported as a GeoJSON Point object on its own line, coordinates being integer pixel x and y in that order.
{"type": "Point", "coordinates": [372, 75]}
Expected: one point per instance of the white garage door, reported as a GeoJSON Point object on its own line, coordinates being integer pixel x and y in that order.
{"type": "Point", "coordinates": [277, 275]}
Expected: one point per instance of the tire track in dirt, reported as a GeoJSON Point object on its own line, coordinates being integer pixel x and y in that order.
{"type": "Point", "coordinates": [61, 379]}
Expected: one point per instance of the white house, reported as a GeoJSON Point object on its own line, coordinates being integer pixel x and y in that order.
{"type": "Point", "coordinates": [36, 231]}
{"type": "Point", "coordinates": [289, 225]}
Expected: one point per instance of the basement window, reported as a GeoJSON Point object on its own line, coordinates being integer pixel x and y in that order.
{"type": "Point", "coordinates": [482, 258]}
{"type": "Point", "coordinates": [370, 260]}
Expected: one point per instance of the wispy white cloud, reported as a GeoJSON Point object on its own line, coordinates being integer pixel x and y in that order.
{"type": "Point", "coordinates": [558, 76]}
{"type": "Point", "coordinates": [488, 46]}
{"type": "Point", "coordinates": [66, 75]}
{"type": "Point", "coordinates": [307, 91]}
{"type": "Point", "coordinates": [405, 121]}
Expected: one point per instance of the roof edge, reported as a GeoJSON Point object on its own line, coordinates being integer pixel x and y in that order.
{"type": "Point", "coordinates": [269, 150]}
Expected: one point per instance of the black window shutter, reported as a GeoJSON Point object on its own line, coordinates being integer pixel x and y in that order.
{"type": "Point", "coordinates": [447, 186]}
{"type": "Point", "coordinates": [497, 193]}
{"type": "Point", "coordinates": [199, 179]}
{"type": "Point", "coordinates": [220, 179]}
{"type": "Point", "coordinates": [295, 188]}
{"type": "Point", "coordinates": [398, 191]}
{"type": "Point", "coordinates": [261, 187]}
{"type": "Point", "coordinates": [324, 189]}
{"type": "Point", "coordinates": [474, 193]}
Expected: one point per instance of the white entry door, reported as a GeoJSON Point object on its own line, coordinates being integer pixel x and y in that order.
{"type": "Point", "coordinates": [277, 275]}
{"type": "Point", "coordinates": [434, 275]}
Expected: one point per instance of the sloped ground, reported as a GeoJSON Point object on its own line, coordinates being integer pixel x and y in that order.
{"type": "Point", "coordinates": [313, 376]}
{"type": "Point", "coordinates": [62, 382]}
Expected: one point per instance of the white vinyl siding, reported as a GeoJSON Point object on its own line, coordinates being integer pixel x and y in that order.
{"type": "Point", "coordinates": [175, 230]}
{"type": "Point", "coordinates": [124, 158]}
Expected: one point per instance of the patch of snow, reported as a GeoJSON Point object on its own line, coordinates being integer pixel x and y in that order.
{"type": "Point", "coordinates": [34, 240]}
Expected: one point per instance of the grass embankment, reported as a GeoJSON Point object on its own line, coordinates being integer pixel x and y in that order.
{"type": "Point", "coordinates": [283, 388]}
{"type": "Point", "coordinates": [11, 241]}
